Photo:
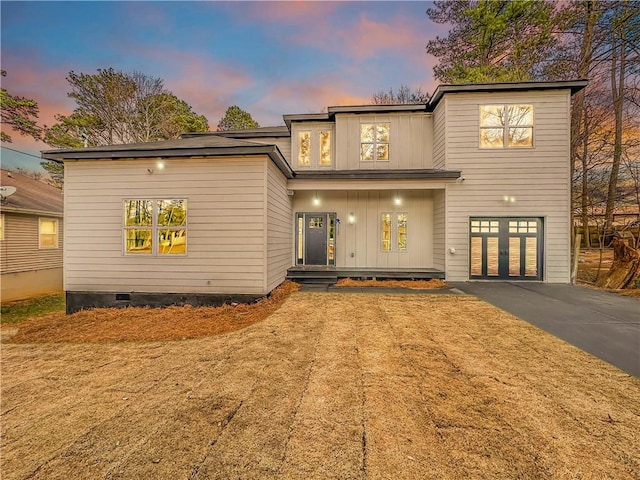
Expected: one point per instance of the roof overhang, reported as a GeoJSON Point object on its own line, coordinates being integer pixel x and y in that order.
{"type": "Point", "coordinates": [121, 152]}
{"type": "Point", "coordinates": [573, 85]}
{"type": "Point", "coordinates": [423, 174]}
{"type": "Point", "coordinates": [27, 211]}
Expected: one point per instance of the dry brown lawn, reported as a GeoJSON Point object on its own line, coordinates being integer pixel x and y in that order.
{"type": "Point", "coordinates": [328, 386]}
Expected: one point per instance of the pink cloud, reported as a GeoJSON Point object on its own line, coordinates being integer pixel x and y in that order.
{"type": "Point", "coordinates": [283, 11]}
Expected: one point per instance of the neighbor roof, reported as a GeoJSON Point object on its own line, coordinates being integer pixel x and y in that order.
{"type": "Point", "coordinates": [31, 196]}
{"type": "Point", "coordinates": [202, 145]}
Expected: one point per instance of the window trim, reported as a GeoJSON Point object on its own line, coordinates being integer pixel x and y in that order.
{"type": "Point", "coordinates": [506, 126]}
{"type": "Point", "coordinates": [56, 234]}
{"type": "Point", "coordinates": [155, 228]}
{"type": "Point", "coordinates": [375, 143]}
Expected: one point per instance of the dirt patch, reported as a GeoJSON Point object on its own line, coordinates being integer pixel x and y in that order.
{"type": "Point", "coordinates": [331, 385]}
{"type": "Point", "coordinates": [412, 284]}
{"type": "Point", "coordinates": [146, 324]}
{"type": "Point", "coordinates": [594, 265]}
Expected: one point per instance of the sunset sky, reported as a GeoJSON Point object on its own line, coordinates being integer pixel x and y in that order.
{"type": "Point", "coordinates": [269, 58]}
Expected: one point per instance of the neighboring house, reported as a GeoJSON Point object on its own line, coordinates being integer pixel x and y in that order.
{"type": "Point", "coordinates": [473, 185]}
{"type": "Point", "coordinates": [30, 237]}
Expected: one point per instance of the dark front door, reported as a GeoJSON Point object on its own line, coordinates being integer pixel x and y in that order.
{"type": "Point", "coordinates": [506, 248]}
{"type": "Point", "coordinates": [315, 239]}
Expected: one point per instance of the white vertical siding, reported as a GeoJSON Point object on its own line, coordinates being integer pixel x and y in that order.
{"type": "Point", "coordinates": [279, 228]}
{"type": "Point", "coordinates": [537, 177]}
{"type": "Point", "coordinates": [410, 142]}
{"type": "Point", "coordinates": [439, 229]}
{"type": "Point", "coordinates": [439, 135]}
{"type": "Point", "coordinates": [20, 252]}
{"type": "Point", "coordinates": [225, 239]}
{"type": "Point", "coordinates": [359, 245]}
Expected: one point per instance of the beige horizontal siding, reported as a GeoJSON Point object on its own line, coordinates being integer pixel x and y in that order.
{"type": "Point", "coordinates": [20, 251]}
{"type": "Point", "coordinates": [279, 228]}
{"type": "Point", "coordinates": [439, 135]}
{"type": "Point", "coordinates": [537, 177]}
{"type": "Point", "coordinates": [225, 217]}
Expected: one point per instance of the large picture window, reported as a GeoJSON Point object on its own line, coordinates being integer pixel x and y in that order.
{"type": "Point", "coordinates": [506, 126]}
{"type": "Point", "coordinates": [48, 232]}
{"type": "Point", "coordinates": [374, 142]}
{"type": "Point", "coordinates": [155, 227]}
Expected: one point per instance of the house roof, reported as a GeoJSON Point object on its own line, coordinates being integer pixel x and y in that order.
{"type": "Point", "coordinates": [31, 196]}
{"type": "Point", "coordinates": [332, 111]}
{"type": "Point", "coordinates": [205, 145]}
{"type": "Point", "coordinates": [378, 174]}
{"type": "Point", "coordinates": [260, 132]}
{"type": "Point", "coordinates": [574, 85]}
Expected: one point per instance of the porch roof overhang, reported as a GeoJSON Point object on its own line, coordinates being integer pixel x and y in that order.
{"type": "Point", "coordinates": [425, 179]}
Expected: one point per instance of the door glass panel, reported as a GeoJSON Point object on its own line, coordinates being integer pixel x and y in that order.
{"type": "Point", "coordinates": [492, 255]}
{"type": "Point", "coordinates": [514, 256]}
{"type": "Point", "coordinates": [476, 255]}
{"type": "Point", "coordinates": [513, 227]}
{"type": "Point", "coordinates": [475, 226]}
{"type": "Point", "coordinates": [531, 257]}
{"type": "Point", "coordinates": [316, 222]}
{"type": "Point", "coordinates": [332, 240]}
{"type": "Point", "coordinates": [300, 238]}
{"type": "Point", "coordinates": [402, 232]}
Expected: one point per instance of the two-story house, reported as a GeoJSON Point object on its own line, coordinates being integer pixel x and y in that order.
{"type": "Point", "coordinates": [473, 185]}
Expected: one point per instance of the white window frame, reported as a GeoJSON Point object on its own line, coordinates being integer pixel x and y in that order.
{"type": "Point", "coordinates": [56, 234]}
{"type": "Point", "coordinates": [375, 143]}
{"type": "Point", "coordinates": [506, 126]}
{"type": "Point", "coordinates": [394, 232]}
{"type": "Point", "coordinates": [155, 228]}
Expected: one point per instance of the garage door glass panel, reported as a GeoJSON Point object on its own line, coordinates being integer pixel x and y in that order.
{"type": "Point", "coordinates": [514, 256]}
{"type": "Point", "coordinates": [492, 256]}
{"type": "Point", "coordinates": [531, 257]}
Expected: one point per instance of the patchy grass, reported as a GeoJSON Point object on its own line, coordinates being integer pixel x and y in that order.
{"type": "Point", "coordinates": [331, 385]}
{"type": "Point", "coordinates": [412, 284]}
{"type": "Point", "coordinates": [19, 311]}
{"type": "Point", "coordinates": [148, 324]}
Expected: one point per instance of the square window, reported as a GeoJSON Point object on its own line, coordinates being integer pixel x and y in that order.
{"type": "Point", "coordinates": [374, 142]}
{"type": "Point", "coordinates": [506, 126]}
{"type": "Point", "coordinates": [48, 233]}
{"type": "Point", "coordinates": [155, 227]}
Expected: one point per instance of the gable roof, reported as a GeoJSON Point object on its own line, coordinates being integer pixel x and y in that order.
{"type": "Point", "coordinates": [31, 196]}
{"type": "Point", "coordinates": [205, 145]}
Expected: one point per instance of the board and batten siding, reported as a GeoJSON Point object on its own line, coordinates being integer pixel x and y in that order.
{"type": "Point", "coordinates": [439, 234]}
{"type": "Point", "coordinates": [439, 135]}
{"type": "Point", "coordinates": [20, 251]}
{"type": "Point", "coordinates": [410, 141]}
{"type": "Point", "coordinates": [225, 218]}
{"type": "Point", "coordinates": [283, 144]}
{"type": "Point", "coordinates": [359, 244]}
{"type": "Point", "coordinates": [279, 227]}
{"type": "Point", "coordinates": [538, 178]}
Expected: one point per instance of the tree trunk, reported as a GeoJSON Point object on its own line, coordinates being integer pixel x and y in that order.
{"type": "Point", "coordinates": [617, 89]}
{"type": "Point", "coordinates": [625, 269]}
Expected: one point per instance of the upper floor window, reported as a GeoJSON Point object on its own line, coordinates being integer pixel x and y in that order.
{"type": "Point", "coordinates": [325, 148]}
{"type": "Point", "coordinates": [155, 227]}
{"type": "Point", "coordinates": [506, 126]}
{"type": "Point", "coordinates": [314, 147]}
{"type": "Point", "coordinates": [48, 232]}
{"type": "Point", "coordinates": [374, 142]}
{"type": "Point", "coordinates": [304, 148]}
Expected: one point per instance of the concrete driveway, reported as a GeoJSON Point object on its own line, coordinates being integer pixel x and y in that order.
{"type": "Point", "coordinates": [601, 323]}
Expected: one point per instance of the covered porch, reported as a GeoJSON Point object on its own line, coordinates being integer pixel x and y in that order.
{"type": "Point", "coordinates": [331, 274]}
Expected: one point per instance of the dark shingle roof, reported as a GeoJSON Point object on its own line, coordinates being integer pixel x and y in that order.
{"type": "Point", "coordinates": [31, 196]}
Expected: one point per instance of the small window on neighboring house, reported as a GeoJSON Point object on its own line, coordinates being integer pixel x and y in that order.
{"type": "Point", "coordinates": [1, 227]}
{"type": "Point", "coordinates": [155, 227]}
{"type": "Point", "coordinates": [304, 148]}
{"type": "Point", "coordinates": [506, 126]}
{"type": "Point", "coordinates": [374, 142]}
{"type": "Point", "coordinates": [325, 149]}
{"type": "Point", "coordinates": [48, 232]}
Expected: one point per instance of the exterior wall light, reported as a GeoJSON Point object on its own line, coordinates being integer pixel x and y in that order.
{"type": "Point", "coordinates": [352, 218]}
{"type": "Point", "coordinates": [316, 200]}
{"type": "Point", "coordinates": [507, 199]}
{"type": "Point", "coordinates": [397, 201]}
{"type": "Point", "coordinates": [160, 165]}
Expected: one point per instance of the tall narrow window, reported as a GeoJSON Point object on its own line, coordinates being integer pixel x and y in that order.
{"type": "Point", "coordinates": [374, 142]}
{"type": "Point", "coordinates": [2, 227]}
{"type": "Point", "coordinates": [304, 148]}
{"type": "Point", "coordinates": [506, 126]}
{"type": "Point", "coordinates": [325, 149]}
{"type": "Point", "coordinates": [155, 227]}
{"type": "Point", "coordinates": [402, 232]}
{"type": "Point", "coordinates": [48, 232]}
{"type": "Point", "coordinates": [386, 232]}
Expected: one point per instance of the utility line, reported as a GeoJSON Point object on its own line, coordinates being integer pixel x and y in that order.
{"type": "Point", "coordinates": [23, 153]}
